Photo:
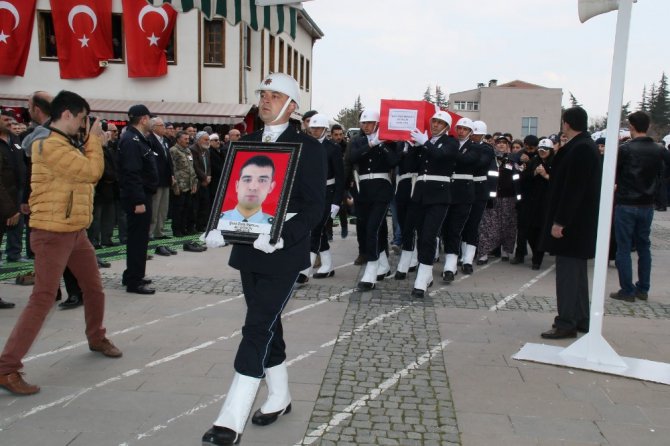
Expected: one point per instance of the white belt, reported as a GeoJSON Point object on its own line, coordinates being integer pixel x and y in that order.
{"type": "Point", "coordinates": [441, 178]}
{"type": "Point", "coordinates": [461, 176]}
{"type": "Point", "coordinates": [330, 182]}
{"type": "Point", "coordinates": [483, 178]}
{"type": "Point", "coordinates": [404, 176]}
{"type": "Point", "coordinates": [375, 176]}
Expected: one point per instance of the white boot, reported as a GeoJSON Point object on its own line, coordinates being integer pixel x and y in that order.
{"type": "Point", "coordinates": [450, 262]}
{"type": "Point", "coordinates": [237, 405]}
{"type": "Point", "coordinates": [384, 269]}
{"type": "Point", "coordinates": [469, 254]}
{"type": "Point", "coordinates": [463, 245]}
{"type": "Point", "coordinates": [403, 265]}
{"type": "Point", "coordinates": [326, 269]}
{"type": "Point", "coordinates": [424, 279]}
{"type": "Point", "coordinates": [414, 261]}
{"type": "Point", "coordinates": [279, 397]}
{"type": "Point", "coordinates": [369, 276]}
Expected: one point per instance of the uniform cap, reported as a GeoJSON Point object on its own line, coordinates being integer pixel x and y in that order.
{"type": "Point", "coordinates": [139, 110]}
{"type": "Point", "coordinates": [545, 144]}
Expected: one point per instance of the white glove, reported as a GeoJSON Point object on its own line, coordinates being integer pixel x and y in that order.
{"type": "Point", "coordinates": [262, 243]}
{"type": "Point", "coordinates": [420, 138]}
{"type": "Point", "coordinates": [213, 239]}
{"type": "Point", "coordinates": [373, 140]}
{"type": "Point", "coordinates": [334, 209]}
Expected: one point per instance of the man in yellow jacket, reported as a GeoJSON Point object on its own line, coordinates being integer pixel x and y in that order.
{"type": "Point", "coordinates": [63, 178]}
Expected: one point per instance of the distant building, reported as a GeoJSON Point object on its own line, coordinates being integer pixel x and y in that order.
{"type": "Point", "coordinates": [214, 68]}
{"type": "Point", "coordinates": [518, 107]}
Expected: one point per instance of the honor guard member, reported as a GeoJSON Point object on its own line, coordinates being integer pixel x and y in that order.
{"type": "Point", "coordinates": [269, 271]}
{"type": "Point", "coordinates": [486, 181]}
{"type": "Point", "coordinates": [404, 184]}
{"type": "Point", "coordinates": [318, 127]}
{"type": "Point", "coordinates": [375, 160]}
{"type": "Point", "coordinates": [432, 192]}
{"type": "Point", "coordinates": [462, 197]}
{"type": "Point", "coordinates": [138, 180]}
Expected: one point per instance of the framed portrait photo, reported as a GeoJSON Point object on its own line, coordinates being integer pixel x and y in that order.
{"type": "Point", "coordinates": [252, 197]}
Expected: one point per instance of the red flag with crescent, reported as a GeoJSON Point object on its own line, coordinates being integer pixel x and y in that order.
{"type": "Point", "coordinates": [83, 36]}
{"type": "Point", "coordinates": [16, 29]}
{"type": "Point", "coordinates": [148, 30]}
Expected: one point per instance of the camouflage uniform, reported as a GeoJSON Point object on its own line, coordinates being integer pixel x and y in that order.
{"type": "Point", "coordinates": [182, 197]}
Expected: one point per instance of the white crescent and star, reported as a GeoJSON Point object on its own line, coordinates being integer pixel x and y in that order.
{"type": "Point", "coordinates": [153, 40]}
{"type": "Point", "coordinates": [17, 19]}
{"type": "Point", "coordinates": [82, 9]}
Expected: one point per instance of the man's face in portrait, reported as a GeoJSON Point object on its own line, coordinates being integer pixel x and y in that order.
{"type": "Point", "coordinates": [254, 185]}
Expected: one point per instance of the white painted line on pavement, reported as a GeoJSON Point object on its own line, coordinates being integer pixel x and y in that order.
{"type": "Point", "coordinates": [467, 276]}
{"type": "Point", "coordinates": [317, 433]}
{"type": "Point", "coordinates": [525, 286]}
{"type": "Point", "coordinates": [216, 399]}
{"type": "Point", "coordinates": [344, 266]}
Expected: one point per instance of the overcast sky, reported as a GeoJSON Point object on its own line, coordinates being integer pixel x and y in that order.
{"type": "Point", "coordinates": [395, 49]}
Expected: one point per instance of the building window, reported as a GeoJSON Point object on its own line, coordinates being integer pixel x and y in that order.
{"type": "Point", "coordinates": [466, 105]}
{"type": "Point", "coordinates": [215, 42]}
{"type": "Point", "coordinates": [117, 39]}
{"type": "Point", "coordinates": [528, 127]}
{"type": "Point", "coordinates": [272, 53]}
{"type": "Point", "coordinates": [307, 75]}
{"type": "Point", "coordinates": [295, 64]}
{"type": "Point", "coordinates": [246, 41]}
{"type": "Point", "coordinates": [171, 48]}
{"type": "Point", "coordinates": [281, 56]}
{"type": "Point", "coordinates": [47, 36]}
{"type": "Point", "coordinates": [289, 60]}
{"type": "Point", "coordinates": [302, 71]}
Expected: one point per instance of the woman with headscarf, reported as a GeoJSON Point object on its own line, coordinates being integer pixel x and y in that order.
{"type": "Point", "coordinates": [538, 172]}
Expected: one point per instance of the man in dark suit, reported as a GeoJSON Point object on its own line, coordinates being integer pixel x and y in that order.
{"type": "Point", "coordinates": [269, 271]}
{"type": "Point", "coordinates": [571, 223]}
{"type": "Point", "coordinates": [161, 199]}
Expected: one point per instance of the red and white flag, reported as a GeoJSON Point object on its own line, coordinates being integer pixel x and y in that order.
{"type": "Point", "coordinates": [148, 30]}
{"type": "Point", "coordinates": [16, 29]}
{"type": "Point", "coordinates": [83, 36]}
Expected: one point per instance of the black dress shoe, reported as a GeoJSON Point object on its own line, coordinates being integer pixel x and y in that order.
{"type": "Point", "coordinates": [558, 333]}
{"type": "Point", "coordinates": [365, 286]}
{"type": "Point", "coordinates": [263, 419]}
{"type": "Point", "coordinates": [383, 276]}
{"type": "Point", "coordinates": [323, 275]}
{"type": "Point", "coordinates": [162, 251]}
{"type": "Point", "coordinates": [620, 295]}
{"type": "Point", "coordinates": [400, 276]}
{"type": "Point", "coordinates": [580, 328]}
{"type": "Point", "coordinates": [193, 247]}
{"type": "Point", "coordinates": [142, 289]}
{"type": "Point", "coordinates": [359, 260]}
{"type": "Point", "coordinates": [143, 281]}
{"type": "Point", "coordinates": [109, 244]}
{"type": "Point", "coordinates": [467, 268]}
{"type": "Point", "coordinates": [221, 436]}
{"type": "Point", "coordinates": [412, 269]}
{"type": "Point", "coordinates": [72, 301]}
{"type": "Point", "coordinates": [535, 267]}
{"type": "Point", "coordinates": [6, 305]}
{"type": "Point", "coordinates": [170, 250]}
{"type": "Point", "coordinates": [516, 261]}
{"type": "Point", "coordinates": [481, 262]}
{"type": "Point", "coordinates": [504, 259]}
{"type": "Point", "coordinates": [447, 276]}
{"type": "Point", "coordinates": [302, 279]}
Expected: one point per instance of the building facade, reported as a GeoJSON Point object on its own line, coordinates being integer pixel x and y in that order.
{"type": "Point", "coordinates": [518, 107]}
{"type": "Point", "coordinates": [214, 69]}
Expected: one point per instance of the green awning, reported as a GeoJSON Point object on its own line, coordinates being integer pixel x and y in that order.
{"type": "Point", "coordinates": [276, 18]}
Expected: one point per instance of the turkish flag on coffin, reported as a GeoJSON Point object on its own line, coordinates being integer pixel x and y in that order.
{"type": "Point", "coordinates": [148, 29]}
{"type": "Point", "coordinates": [83, 36]}
{"type": "Point", "coordinates": [16, 29]}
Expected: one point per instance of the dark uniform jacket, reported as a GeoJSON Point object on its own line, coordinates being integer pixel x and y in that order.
{"type": "Point", "coordinates": [108, 185]}
{"type": "Point", "coordinates": [380, 159]}
{"type": "Point", "coordinates": [539, 187]}
{"type": "Point", "coordinates": [408, 166]}
{"type": "Point", "coordinates": [201, 163]}
{"type": "Point", "coordinates": [438, 159]}
{"type": "Point", "coordinates": [574, 198]}
{"type": "Point", "coordinates": [463, 189]}
{"type": "Point", "coordinates": [334, 192]}
{"type": "Point", "coordinates": [138, 176]}
{"type": "Point", "coordinates": [307, 201]}
{"type": "Point", "coordinates": [486, 167]}
{"type": "Point", "coordinates": [163, 160]}
{"type": "Point", "coordinates": [639, 166]}
{"type": "Point", "coordinates": [217, 158]}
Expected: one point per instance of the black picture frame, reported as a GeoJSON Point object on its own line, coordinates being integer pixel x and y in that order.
{"type": "Point", "coordinates": [270, 220]}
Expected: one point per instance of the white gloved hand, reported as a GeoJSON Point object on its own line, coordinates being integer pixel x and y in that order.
{"type": "Point", "coordinates": [214, 239]}
{"type": "Point", "coordinates": [262, 243]}
{"type": "Point", "coordinates": [334, 209]}
{"type": "Point", "coordinates": [420, 138]}
{"type": "Point", "coordinates": [373, 140]}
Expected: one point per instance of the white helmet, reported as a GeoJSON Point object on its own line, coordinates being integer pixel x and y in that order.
{"type": "Point", "coordinates": [479, 128]}
{"type": "Point", "coordinates": [442, 116]}
{"type": "Point", "coordinates": [283, 83]}
{"type": "Point", "coordinates": [666, 141]}
{"type": "Point", "coordinates": [369, 116]}
{"type": "Point", "coordinates": [319, 121]}
{"type": "Point", "coordinates": [545, 144]}
{"type": "Point", "coordinates": [465, 122]}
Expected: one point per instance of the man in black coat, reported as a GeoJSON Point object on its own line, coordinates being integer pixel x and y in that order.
{"type": "Point", "coordinates": [138, 179]}
{"type": "Point", "coordinates": [571, 223]}
{"type": "Point", "coordinates": [269, 271]}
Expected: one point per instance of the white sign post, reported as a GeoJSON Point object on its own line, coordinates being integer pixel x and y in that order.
{"type": "Point", "coordinates": [592, 351]}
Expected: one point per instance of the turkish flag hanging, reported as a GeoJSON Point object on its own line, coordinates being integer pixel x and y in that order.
{"type": "Point", "coordinates": [83, 36]}
{"type": "Point", "coordinates": [148, 30]}
{"type": "Point", "coordinates": [16, 29]}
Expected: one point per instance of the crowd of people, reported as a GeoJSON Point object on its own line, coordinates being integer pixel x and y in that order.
{"type": "Point", "coordinates": [68, 181]}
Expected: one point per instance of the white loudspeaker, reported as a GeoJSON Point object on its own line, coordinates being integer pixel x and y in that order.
{"type": "Point", "coordinates": [591, 8]}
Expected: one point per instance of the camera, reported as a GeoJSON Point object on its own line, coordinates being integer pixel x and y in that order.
{"type": "Point", "coordinates": [103, 122]}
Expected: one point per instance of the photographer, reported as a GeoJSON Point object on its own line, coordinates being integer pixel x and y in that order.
{"type": "Point", "coordinates": [63, 179]}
